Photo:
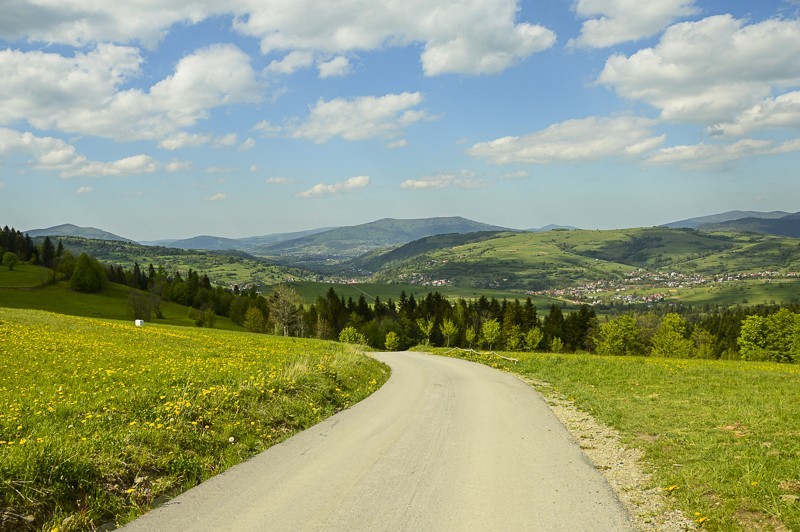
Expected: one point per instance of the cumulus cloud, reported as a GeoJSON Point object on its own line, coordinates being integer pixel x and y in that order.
{"type": "Point", "coordinates": [772, 113]}
{"type": "Point", "coordinates": [53, 154]}
{"type": "Point", "coordinates": [84, 190]}
{"type": "Point", "coordinates": [476, 37]}
{"type": "Point", "coordinates": [248, 144]}
{"type": "Point", "coordinates": [82, 94]}
{"type": "Point", "coordinates": [217, 197]}
{"type": "Point", "coordinates": [267, 128]}
{"type": "Point", "coordinates": [292, 62]}
{"type": "Point", "coordinates": [361, 118]}
{"type": "Point", "coordinates": [579, 140]}
{"type": "Point", "coordinates": [402, 143]}
{"type": "Point", "coordinates": [703, 156]}
{"type": "Point", "coordinates": [619, 21]}
{"type": "Point", "coordinates": [338, 66]}
{"type": "Point", "coordinates": [709, 71]}
{"type": "Point", "coordinates": [278, 180]}
{"type": "Point", "coordinates": [322, 189]}
{"type": "Point", "coordinates": [463, 179]}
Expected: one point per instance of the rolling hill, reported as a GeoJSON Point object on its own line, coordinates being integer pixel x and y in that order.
{"type": "Point", "coordinates": [74, 230]}
{"type": "Point", "coordinates": [353, 241]}
{"type": "Point", "coordinates": [536, 261]}
{"type": "Point", "coordinates": [695, 223]}
{"type": "Point", "coordinates": [788, 225]}
{"type": "Point", "coordinates": [217, 243]}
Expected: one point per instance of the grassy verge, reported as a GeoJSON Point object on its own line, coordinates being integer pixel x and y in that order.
{"type": "Point", "coordinates": [99, 420]}
{"type": "Point", "coordinates": [722, 438]}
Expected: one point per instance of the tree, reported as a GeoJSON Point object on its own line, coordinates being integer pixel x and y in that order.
{"type": "Point", "coordinates": [556, 345]}
{"type": "Point", "coordinates": [254, 320]}
{"type": "Point", "coordinates": [620, 336]}
{"type": "Point", "coordinates": [513, 337]}
{"type": "Point", "coordinates": [426, 327]}
{"type": "Point", "coordinates": [283, 302]}
{"type": "Point", "coordinates": [703, 343]}
{"type": "Point", "coordinates": [10, 260]}
{"type": "Point", "coordinates": [48, 252]}
{"type": "Point", "coordinates": [670, 340]}
{"type": "Point", "coordinates": [392, 341]}
{"type": "Point", "coordinates": [753, 338]}
{"type": "Point", "coordinates": [491, 332]}
{"type": "Point", "coordinates": [533, 338]}
{"type": "Point", "coordinates": [470, 336]}
{"type": "Point", "coordinates": [89, 276]}
{"type": "Point", "coordinates": [350, 335]}
{"type": "Point", "coordinates": [449, 330]}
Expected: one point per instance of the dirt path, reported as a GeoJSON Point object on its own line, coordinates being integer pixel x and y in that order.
{"type": "Point", "coordinates": [444, 445]}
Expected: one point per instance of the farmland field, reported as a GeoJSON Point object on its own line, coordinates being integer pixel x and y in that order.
{"type": "Point", "coordinates": [100, 420]}
{"type": "Point", "coordinates": [722, 438]}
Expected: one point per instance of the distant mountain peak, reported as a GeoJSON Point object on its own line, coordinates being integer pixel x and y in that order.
{"type": "Point", "coordinates": [76, 231]}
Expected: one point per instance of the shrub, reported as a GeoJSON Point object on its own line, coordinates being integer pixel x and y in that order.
{"type": "Point", "coordinates": [392, 341]}
{"type": "Point", "coordinates": [89, 276]}
{"type": "Point", "coordinates": [350, 335]}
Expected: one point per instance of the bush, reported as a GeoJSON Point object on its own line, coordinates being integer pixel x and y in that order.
{"type": "Point", "coordinates": [350, 335]}
{"type": "Point", "coordinates": [620, 336]}
{"type": "Point", "coordinates": [392, 341]}
{"type": "Point", "coordinates": [89, 276]}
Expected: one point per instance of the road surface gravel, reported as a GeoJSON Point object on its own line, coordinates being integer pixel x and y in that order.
{"type": "Point", "coordinates": [445, 444]}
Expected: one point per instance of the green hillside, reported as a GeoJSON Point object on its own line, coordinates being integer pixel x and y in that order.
{"type": "Point", "coordinates": [111, 304]}
{"type": "Point", "coordinates": [224, 268]}
{"type": "Point", "coordinates": [536, 261]}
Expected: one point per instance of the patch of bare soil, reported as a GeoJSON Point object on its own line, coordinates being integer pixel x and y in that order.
{"type": "Point", "coordinates": [622, 466]}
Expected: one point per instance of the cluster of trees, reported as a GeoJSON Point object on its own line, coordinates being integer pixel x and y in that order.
{"type": "Point", "coordinates": [16, 248]}
{"type": "Point", "coordinates": [748, 333]}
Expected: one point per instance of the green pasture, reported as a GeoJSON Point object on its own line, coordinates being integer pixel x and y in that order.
{"type": "Point", "coordinates": [111, 304]}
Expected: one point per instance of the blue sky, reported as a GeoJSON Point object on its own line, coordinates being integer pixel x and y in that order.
{"type": "Point", "coordinates": [164, 119]}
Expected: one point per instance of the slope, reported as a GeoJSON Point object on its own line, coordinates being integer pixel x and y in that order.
{"type": "Point", "coordinates": [74, 230]}
{"type": "Point", "coordinates": [788, 225]}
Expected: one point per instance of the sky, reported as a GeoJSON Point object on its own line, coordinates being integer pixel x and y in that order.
{"type": "Point", "coordinates": [158, 119]}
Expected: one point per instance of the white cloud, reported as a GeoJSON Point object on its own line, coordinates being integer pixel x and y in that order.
{"type": "Point", "coordinates": [717, 155]}
{"type": "Point", "coordinates": [711, 70]}
{"type": "Point", "coordinates": [402, 143]}
{"type": "Point", "coordinates": [322, 189]}
{"type": "Point", "coordinates": [291, 62]}
{"type": "Point", "coordinates": [361, 118]}
{"type": "Point", "coordinates": [253, 168]}
{"type": "Point", "coordinates": [587, 139]}
{"type": "Point", "coordinates": [338, 66]}
{"type": "Point", "coordinates": [84, 190]}
{"type": "Point", "coordinates": [475, 37]}
{"type": "Point", "coordinates": [780, 112]}
{"type": "Point", "coordinates": [217, 197]}
{"type": "Point", "coordinates": [266, 128]}
{"type": "Point", "coordinates": [278, 180]}
{"type": "Point", "coordinates": [184, 140]}
{"type": "Point", "coordinates": [226, 140]}
{"type": "Point", "coordinates": [53, 154]}
{"type": "Point", "coordinates": [248, 144]}
{"type": "Point", "coordinates": [82, 94]}
{"type": "Point", "coordinates": [463, 179]}
{"type": "Point", "coordinates": [626, 20]}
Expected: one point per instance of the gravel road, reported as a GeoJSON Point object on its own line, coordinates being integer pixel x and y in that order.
{"type": "Point", "coordinates": [445, 444]}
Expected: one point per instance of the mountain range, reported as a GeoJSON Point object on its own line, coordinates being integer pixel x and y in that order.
{"type": "Point", "coordinates": [74, 230]}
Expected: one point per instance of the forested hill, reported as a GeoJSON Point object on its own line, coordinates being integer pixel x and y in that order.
{"type": "Point", "coordinates": [353, 241]}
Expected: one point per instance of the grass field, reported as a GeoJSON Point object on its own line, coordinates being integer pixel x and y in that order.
{"type": "Point", "coordinates": [24, 276]}
{"type": "Point", "coordinates": [110, 304]}
{"type": "Point", "coordinates": [99, 420]}
{"type": "Point", "coordinates": [722, 438]}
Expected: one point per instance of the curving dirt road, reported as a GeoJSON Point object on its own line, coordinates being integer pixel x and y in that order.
{"type": "Point", "coordinates": [444, 445]}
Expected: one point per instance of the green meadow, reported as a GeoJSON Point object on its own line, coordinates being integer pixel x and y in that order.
{"type": "Point", "coordinates": [101, 420]}
{"type": "Point", "coordinates": [722, 438]}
